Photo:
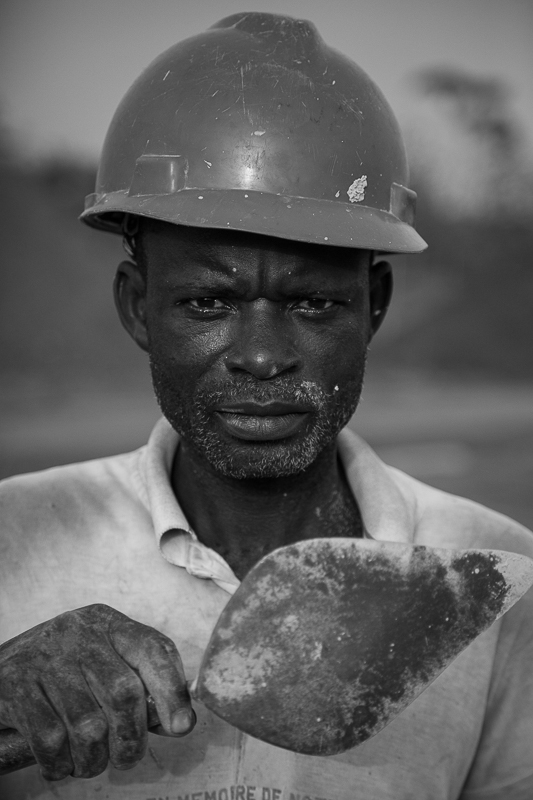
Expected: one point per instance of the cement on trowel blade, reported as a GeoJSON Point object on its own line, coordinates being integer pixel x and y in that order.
{"type": "Point", "coordinates": [327, 640]}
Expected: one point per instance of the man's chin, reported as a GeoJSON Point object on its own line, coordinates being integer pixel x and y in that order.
{"type": "Point", "coordinates": [260, 460]}
{"type": "Point", "coordinates": [265, 470]}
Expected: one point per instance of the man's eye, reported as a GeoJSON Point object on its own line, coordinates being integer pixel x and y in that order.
{"type": "Point", "coordinates": [207, 303]}
{"type": "Point", "coordinates": [315, 304]}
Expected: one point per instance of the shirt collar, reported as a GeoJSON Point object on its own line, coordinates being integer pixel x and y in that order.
{"type": "Point", "coordinates": [386, 514]}
{"type": "Point", "coordinates": [177, 541]}
{"type": "Point", "coordinates": [387, 504]}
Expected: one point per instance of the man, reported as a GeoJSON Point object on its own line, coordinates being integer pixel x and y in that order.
{"type": "Point", "coordinates": [255, 174]}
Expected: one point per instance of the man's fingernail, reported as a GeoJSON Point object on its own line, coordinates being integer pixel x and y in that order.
{"type": "Point", "coordinates": [183, 721]}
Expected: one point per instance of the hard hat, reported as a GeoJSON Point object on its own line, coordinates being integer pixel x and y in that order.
{"type": "Point", "coordinates": [257, 125]}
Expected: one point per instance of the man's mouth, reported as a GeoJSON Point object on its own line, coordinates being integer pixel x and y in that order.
{"type": "Point", "coordinates": [255, 421]}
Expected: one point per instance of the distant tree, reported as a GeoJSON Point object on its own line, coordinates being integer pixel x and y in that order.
{"type": "Point", "coordinates": [466, 305]}
{"type": "Point", "coordinates": [467, 149]}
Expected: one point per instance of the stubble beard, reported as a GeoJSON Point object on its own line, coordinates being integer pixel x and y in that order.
{"type": "Point", "coordinates": [190, 416]}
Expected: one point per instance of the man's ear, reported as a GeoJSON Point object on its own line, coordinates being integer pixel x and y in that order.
{"type": "Point", "coordinates": [380, 280]}
{"type": "Point", "coordinates": [129, 289]}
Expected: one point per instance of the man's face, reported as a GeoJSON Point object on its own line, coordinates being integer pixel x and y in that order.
{"type": "Point", "coordinates": [257, 345]}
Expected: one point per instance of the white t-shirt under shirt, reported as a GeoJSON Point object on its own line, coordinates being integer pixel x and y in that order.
{"type": "Point", "coordinates": [96, 533]}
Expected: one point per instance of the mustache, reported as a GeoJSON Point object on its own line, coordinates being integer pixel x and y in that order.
{"type": "Point", "coordinates": [246, 389]}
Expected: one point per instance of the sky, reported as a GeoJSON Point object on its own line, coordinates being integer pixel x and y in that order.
{"type": "Point", "coordinates": [65, 64]}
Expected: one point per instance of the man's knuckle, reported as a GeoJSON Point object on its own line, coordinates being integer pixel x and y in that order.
{"type": "Point", "coordinates": [126, 691]}
{"type": "Point", "coordinates": [48, 747]}
{"type": "Point", "coordinates": [163, 646]}
{"type": "Point", "coordinates": [96, 613]}
{"type": "Point", "coordinates": [49, 740]}
{"type": "Point", "coordinates": [169, 647]}
{"type": "Point", "coordinates": [90, 728]}
{"type": "Point", "coordinates": [101, 608]}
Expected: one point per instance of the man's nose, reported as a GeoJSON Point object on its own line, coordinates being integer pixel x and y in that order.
{"type": "Point", "coordinates": [264, 342]}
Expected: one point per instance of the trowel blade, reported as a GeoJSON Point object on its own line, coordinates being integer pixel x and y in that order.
{"type": "Point", "coordinates": [327, 640]}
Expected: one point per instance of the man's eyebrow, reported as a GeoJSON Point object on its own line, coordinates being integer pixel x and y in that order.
{"type": "Point", "coordinates": [216, 280]}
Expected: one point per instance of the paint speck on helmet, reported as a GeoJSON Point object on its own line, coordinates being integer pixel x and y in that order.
{"type": "Point", "coordinates": [356, 192]}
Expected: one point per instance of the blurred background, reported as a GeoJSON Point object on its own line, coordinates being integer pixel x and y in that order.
{"type": "Point", "coordinates": [449, 392]}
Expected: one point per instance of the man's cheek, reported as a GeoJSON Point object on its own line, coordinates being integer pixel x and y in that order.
{"type": "Point", "coordinates": [346, 344]}
{"type": "Point", "coordinates": [187, 359]}
{"type": "Point", "coordinates": [175, 356]}
{"type": "Point", "coordinates": [343, 366]}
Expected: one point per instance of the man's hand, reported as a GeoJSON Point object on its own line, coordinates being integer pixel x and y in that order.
{"type": "Point", "coordinates": [76, 686]}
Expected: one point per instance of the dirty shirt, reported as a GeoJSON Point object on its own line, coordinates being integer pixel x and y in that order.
{"type": "Point", "coordinates": [111, 531]}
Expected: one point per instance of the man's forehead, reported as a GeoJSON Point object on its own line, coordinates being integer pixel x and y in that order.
{"type": "Point", "coordinates": [219, 248]}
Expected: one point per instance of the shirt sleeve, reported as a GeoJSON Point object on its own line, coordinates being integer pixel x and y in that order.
{"type": "Point", "coordinates": [503, 766]}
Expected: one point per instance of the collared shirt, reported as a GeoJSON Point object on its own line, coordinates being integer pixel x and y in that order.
{"type": "Point", "coordinates": [111, 531]}
{"type": "Point", "coordinates": [176, 539]}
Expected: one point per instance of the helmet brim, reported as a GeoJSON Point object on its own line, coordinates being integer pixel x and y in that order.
{"type": "Point", "coordinates": [295, 218]}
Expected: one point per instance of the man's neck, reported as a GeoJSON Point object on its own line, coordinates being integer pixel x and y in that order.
{"type": "Point", "coordinates": [245, 519]}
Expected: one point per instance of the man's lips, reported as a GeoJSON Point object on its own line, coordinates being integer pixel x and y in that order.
{"type": "Point", "coordinates": [271, 408]}
{"type": "Point", "coordinates": [268, 421]}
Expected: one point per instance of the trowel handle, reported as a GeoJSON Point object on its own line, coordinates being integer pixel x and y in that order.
{"type": "Point", "coordinates": [15, 752]}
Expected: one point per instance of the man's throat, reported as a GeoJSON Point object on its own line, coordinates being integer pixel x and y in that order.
{"type": "Point", "coordinates": [243, 520]}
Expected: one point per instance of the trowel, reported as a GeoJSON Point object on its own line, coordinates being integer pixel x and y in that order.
{"type": "Point", "coordinates": [326, 641]}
